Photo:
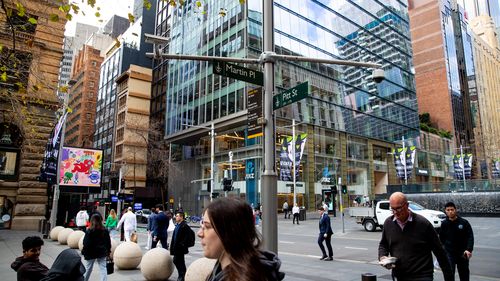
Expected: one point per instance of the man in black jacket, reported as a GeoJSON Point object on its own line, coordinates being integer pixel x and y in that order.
{"type": "Point", "coordinates": [28, 266]}
{"type": "Point", "coordinates": [178, 245]}
{"type": "Point", "coordinates": [411, 239]}
{"type": "Point", "coordinates": [159, 232]}
{"type": "Point", "coordinates": [458, 240]}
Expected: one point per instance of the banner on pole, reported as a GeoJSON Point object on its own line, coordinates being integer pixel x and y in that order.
{"type": "Point", "coordinates": [404, 159]}
{"type": "Point", "coordinates": [286, 154]}
{"type": "Point", "coordinates": [462, 164]}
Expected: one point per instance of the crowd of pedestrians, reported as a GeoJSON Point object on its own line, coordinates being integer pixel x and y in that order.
{"type": "Point", "coordinates": [229, 235]}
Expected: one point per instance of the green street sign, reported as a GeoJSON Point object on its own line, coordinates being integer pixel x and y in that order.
{"type": "Point", "coordinates": [238, 72]}
{"type": "Point", "coordinates": [292, 95]}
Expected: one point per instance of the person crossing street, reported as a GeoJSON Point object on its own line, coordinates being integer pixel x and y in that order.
{"type": "Point", "coordinates": [325, 234]}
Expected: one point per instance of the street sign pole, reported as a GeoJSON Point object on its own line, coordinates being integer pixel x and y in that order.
{"type": "Point", "coordinates": [269, 177]}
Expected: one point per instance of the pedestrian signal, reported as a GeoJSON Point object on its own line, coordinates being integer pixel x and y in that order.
{"type": "Point", "coordinates": [344, 189]}
{"type": "Point", "coordinates": [227, 184]}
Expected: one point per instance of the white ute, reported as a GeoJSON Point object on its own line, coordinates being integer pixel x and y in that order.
{"type": "Point", "coordinates": [371, 218]}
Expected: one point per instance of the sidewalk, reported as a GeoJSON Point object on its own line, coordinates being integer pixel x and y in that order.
{"type": "Point", "coordinates": [10, 248]}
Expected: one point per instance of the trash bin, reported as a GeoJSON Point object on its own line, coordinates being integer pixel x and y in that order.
{"type": "Point", "coordinates": [302, 214]}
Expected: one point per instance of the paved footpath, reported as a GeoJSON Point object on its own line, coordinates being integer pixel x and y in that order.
{"type": "Point", "coordinates": [299, 260]}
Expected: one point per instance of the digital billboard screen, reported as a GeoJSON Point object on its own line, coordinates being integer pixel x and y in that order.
{"type": "Point", "coordinates": [80, 167]}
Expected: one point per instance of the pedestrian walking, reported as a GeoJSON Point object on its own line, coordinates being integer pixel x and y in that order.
{"type": "Point", "coordinates": [295, 212]}
{"type": "Point", "coordinates": [285, 209]}
{"type": "Point", "coordinates": [111, 222]}
{"type": "Point", "coordinates": [96, 247]}
{"type": "Point", "coordinates": [458, 239]}
{"type": "Point", "coordinates": [180, 244]}
{"type": "Point", "coordinates": [160, 232]}
{"type": "Point", "coordinates": [129, 222]}
{"type": "Point", "coordinates": [325, 234]}
{"type": "Point", "coordinates": [67, 266]}
{"type": "Point", "coordinates": [411, 239]}
{"type": "Point", "coordinates": [28, 266]}
{"type": "Point", "coordinates": [82, 218]}
{"type": "Point", "coordinates": [122, 232]}
{"type": "Point", "coordinates": [228, 234]}
{"type": "Point", "coordinates": [150, 228]}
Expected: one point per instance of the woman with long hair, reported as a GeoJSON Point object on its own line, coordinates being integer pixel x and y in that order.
{"type": "Point", "coordinates": [111, 222]}
{"type": "Point", "coordinates": [228, 234]}
{"type": "Point", "coordinates": [96, 247]}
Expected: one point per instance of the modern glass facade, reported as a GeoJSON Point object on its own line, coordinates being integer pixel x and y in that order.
{"type": "Point", "coordinates": [344, 115]}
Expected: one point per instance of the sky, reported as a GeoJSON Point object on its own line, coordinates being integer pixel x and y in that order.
{"type": "Point", "coordinates": [108, 9]}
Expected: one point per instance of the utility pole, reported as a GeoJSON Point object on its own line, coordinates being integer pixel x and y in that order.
{"type": "Point", "coordinates": [269, 177]}
{"type": "Point", "coordinates": [119, 202]}
{"type": "Point", "coordinates": [462, 161]}
{"type": "Point", "coordinates": [404, 153]}
{"type": "Point", "coordinates": [230, 154]}
{"type": "Point", "coordinates": [341, 199]}
{"type": "Point", "coordinates": [294, 163]}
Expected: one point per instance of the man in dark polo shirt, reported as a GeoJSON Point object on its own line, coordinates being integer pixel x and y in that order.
{"type": "Point", "coordinates": [458, 240]}
{"type": "Point", "coordinates": [411, 239]}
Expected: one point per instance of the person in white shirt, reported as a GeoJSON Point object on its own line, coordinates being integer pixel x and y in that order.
{"type": "Point", "coordinates": [295, 212]}
{"type": "Point", "coordinates": [129, 222]}
{"type": "Point", "coordinates": [81, 219]}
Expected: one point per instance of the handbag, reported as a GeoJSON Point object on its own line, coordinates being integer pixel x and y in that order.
{"type": "Point", "coordinates": [133, 237]}
{"type": "Point", "coordinates": [110, 266]}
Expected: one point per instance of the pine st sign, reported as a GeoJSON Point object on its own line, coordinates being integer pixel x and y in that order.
{"type": "Point", "coordinates": [290, 96]}
{"type": "Point", "coordinates": [238, 72]}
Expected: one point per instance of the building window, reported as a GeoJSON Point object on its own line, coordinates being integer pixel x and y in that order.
{"type": "Point", "coordinates": [9, 152]}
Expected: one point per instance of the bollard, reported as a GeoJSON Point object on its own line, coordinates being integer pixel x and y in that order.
{"type": "Point", "coordinates": [368, 277]}
{"type": "Point", "coordinates": [46, 229]}
{"type": "Point", "coordinates": [40, 225]}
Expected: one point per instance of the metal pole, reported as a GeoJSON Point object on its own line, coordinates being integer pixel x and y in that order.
{"type": "Point", "coordinates": [269, 177]}
{"type": "Point", "coordinates": [341, 198]}
{"type": "Point", "coordinates": [294, 163]}
{"type": "Point", "coordinates": [212, 158]}
{"type": "Point", "coordinates": [463, 165]}
{"type": "Point", "coordinates": [230, 168]}
{"type": "Point", "coordinates": [404, 153]}
{"type": "Point", "coordinates": [119, 202]}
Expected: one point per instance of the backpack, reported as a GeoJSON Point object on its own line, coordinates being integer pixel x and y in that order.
{"type": "Point", "coordinates": [190, 238]}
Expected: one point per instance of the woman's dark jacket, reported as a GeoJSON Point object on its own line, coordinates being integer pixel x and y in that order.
{"type": "Point", "coordinates": [270, 263]}
{"type": "Point", "coordinates": [67, 267]}
{"type": "Point", "coordinates": [96, 244]}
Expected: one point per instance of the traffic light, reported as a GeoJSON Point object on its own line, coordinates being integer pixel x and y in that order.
{"type": "Point", "coordinates": [209, 186]}
{"type": "Point", "coordinates": [334, 189]}
{"type": "Point", "coordinates": [227, 184]}
{"type": "Point", "coordinates": [123, 184]}
{"type": "Point", "coordinates": [344, 189]}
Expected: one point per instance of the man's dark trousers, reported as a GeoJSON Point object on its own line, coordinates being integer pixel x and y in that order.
{"type": "Point", "coordinates": [462, 264]}
{"type": "Point", "coordinates": [328, 240]}
{"type": "Point", "coordinates": [163, 241]}
{"type": "Point", "coordinates": [295, 217]}
{"type": "Point", "coordinates": [180, 264]}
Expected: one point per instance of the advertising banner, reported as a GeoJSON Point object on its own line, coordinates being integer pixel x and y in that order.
{"type": "Point", "coordinates": [80, 167]}
{"type": "Point", "coordinates": [495, 171]}
{"type": "Point", "coordinates": [286, 154]}
{"type": "Point", "coordinates": [404, 159]}
{"type": "Point", "coordinates": [462, 164]}
{"type": "Point", "coordinates": [48, 170]}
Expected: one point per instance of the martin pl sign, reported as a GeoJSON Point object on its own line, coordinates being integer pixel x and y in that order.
{"type": "Point", "coordinates": [238, 72]}
{"type": "Point", "coordinates": [290, 96]}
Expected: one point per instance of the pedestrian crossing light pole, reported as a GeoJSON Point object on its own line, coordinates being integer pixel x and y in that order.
{"type": "Point", "coordinates": [269, 177]}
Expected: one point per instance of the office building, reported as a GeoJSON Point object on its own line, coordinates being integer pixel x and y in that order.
{"type": "Point", "coordinates": [119, 57]}
{"type": "Point", "coordinates": [115, 26]}
{"type": "Point", "coordinates": [351, 122]}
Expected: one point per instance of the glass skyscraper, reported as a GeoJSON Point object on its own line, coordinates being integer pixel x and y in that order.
{"type": "Point", "coordinates": [345, 111]}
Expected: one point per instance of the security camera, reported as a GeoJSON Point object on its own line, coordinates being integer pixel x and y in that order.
{"type": "Point", "coordinates": [378, 75]}
{"type": "Point", "coordinates": [154, 39]}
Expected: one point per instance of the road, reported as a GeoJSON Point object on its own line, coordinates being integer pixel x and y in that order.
{"type": "Point", "coordinates": [355, 251]}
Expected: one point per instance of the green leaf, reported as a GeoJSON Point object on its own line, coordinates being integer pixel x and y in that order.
{"type": "Point", "coordinates": [3, 77]}
{"type": "Point", "coordinates": [75, 8]}
{"type": "Point", "coordinates": [65, 8]}
{"type": "Point", "coordinates": [69, 16]}
{"type": "Point", "coordinates": [147, 4]}
{"type": "Point", "coordinates": [242, 2]}
{"type": "Point", "coordinates": [32, 20]}
{"type": "Point", "coordinates": [91, 3]}
{"type": "Point", "coordinates": [198, 4]}
{"type": "Point", "coordinates": [97, 14]}
{"type": "Point", "coordinates": [21, 11]}
{"type": "Point", "coordinates": [131, 18]}
{"type": "Point", "coordinates": [54, 17]}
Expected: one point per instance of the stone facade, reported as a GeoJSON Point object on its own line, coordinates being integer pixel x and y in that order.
{"type": "Point", "coordinates": [35, 114]}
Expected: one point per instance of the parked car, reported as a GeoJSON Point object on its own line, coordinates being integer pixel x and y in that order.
{"type": "Point", "coordinates": [143, 215]}
{"type": "Point", "coordinates": [371, 218]}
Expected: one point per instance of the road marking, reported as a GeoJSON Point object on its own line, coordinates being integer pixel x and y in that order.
{"type": "Point", "coordinates": [335, 236]}
{"type": "Point", "coordinates": [355, 248]}
{"type": "Point", "coordinates": [287, 242]}
{"type": "Point", "coordinates": [317, 257]}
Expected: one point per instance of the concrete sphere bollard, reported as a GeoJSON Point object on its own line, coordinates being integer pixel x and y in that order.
{"type": "Point", "coordinates": [127, 255]}
{"type": "Point", "coordinates": [63, 236]}
{"type": "Point", "coordinates": [74, 238]}
{"type": "Point", "coordinates": [80, 243]}
{"type": "Point", "coordinates": [200, 269]}
{"type": "Point", "coordinates": [157, 264]}
{"type": "Point", "coordinates": [114, 244]}
{"type": "Point", "coordinates": [55, 232]}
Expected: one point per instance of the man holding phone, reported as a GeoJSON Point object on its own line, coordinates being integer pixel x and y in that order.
{"type": "Point", "coordinates": [458, 240]}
